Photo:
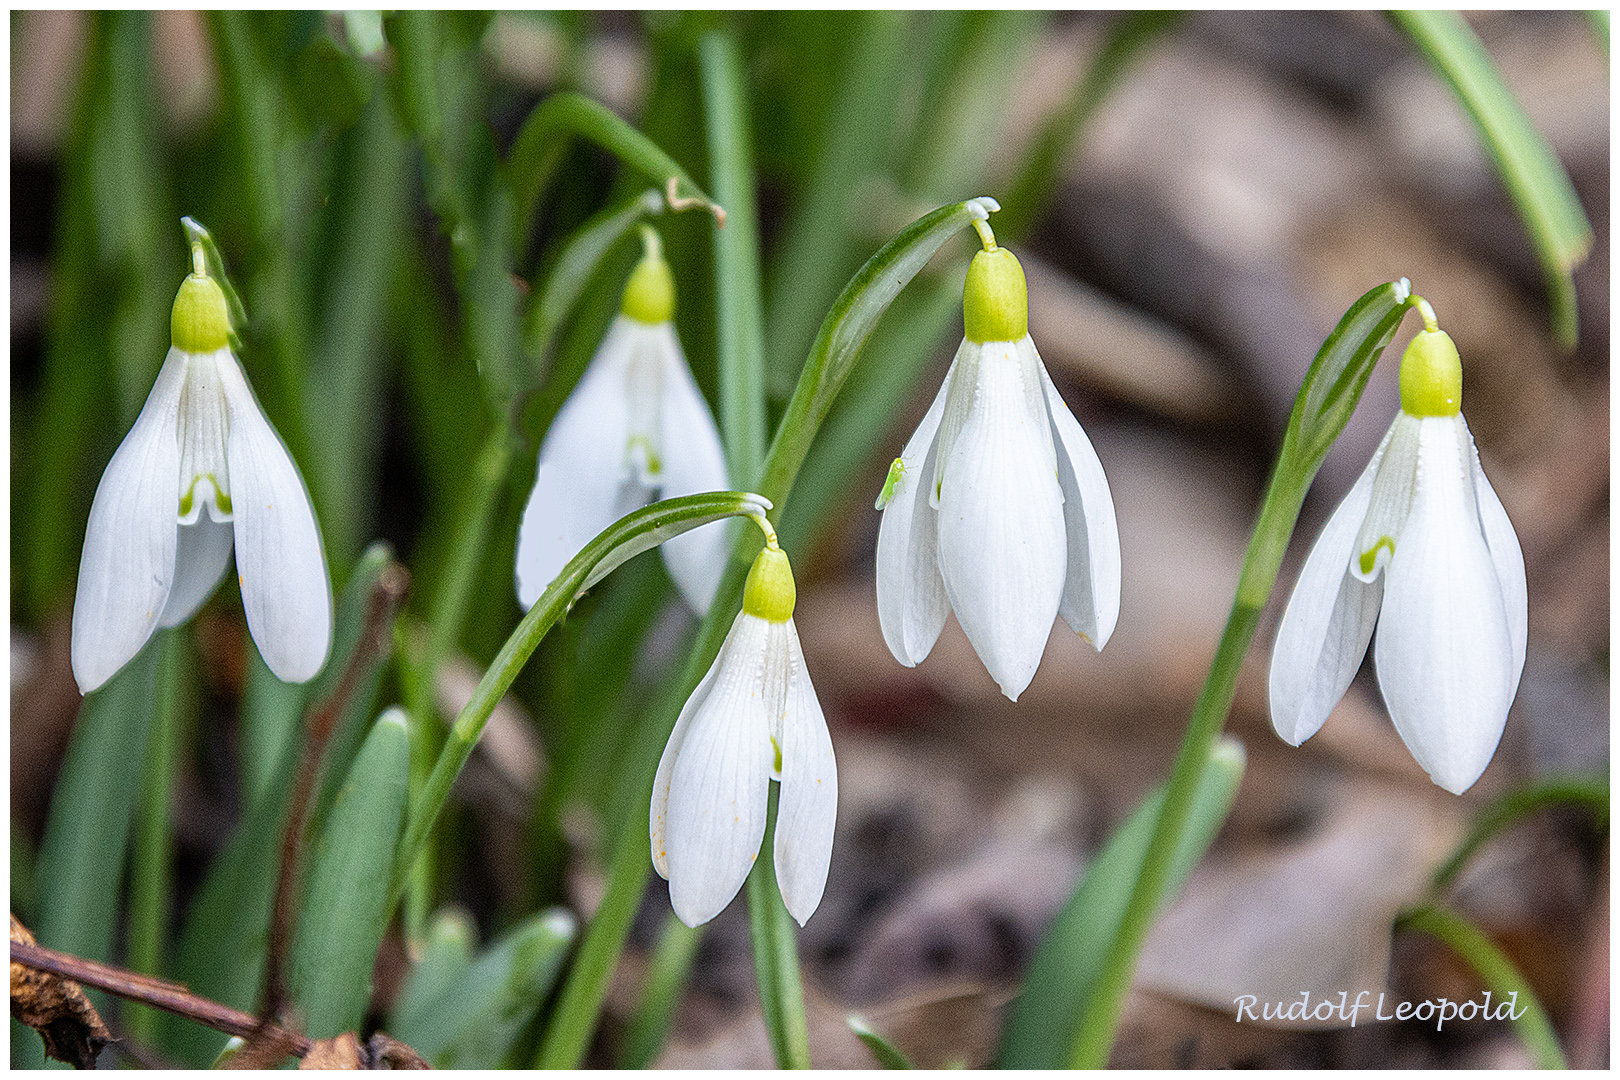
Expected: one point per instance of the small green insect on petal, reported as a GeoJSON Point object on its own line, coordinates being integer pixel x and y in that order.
{"type": "Point", "coordinates": [897, 472]}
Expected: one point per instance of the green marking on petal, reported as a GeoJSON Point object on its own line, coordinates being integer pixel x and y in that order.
{"type": "Point", "coordinates": [1369, 558]}
{"type": "Point", "coordinates": [897, 472]}
{"type": "Point", "coordinates": [776, 746]}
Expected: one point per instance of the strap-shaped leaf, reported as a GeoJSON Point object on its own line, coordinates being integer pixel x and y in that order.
{"type": "Point", "coordinates": [1060, 982]}
{"type": "Point", "coordinates": [1534, 177]}
{"type": "Point", "coordinates": [345, 911]}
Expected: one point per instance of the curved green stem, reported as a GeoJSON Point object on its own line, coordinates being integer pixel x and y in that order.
{"type": "Point", "coordinates": [776, 957]}
{"type": "Point", "coordinates": [568, 114]}
{"type": "Point", "coordinates": [1331, 389]}
{"type": "Point", "coordinates": [1501, 978]}
{"type": "Point", "coordinates": [1589, 792]}
{"type": "Point", "coordinates": [629, 536]}
{"type": "Point", "coordinates": [836, 347]}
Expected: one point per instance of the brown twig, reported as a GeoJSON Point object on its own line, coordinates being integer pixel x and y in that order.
{"type": "Point", "coordinates": [375, 640]}
{"type": "Point", "coordinates": [168, 996]}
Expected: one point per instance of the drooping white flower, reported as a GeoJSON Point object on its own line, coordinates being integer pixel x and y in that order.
{"type": "Point", "coordinates": [754, 718]}
{"type": "Point", "coordinates": [634, 429]}
{"type": "Point", "coordinates": [1423, 548]}
{"type": "Point", "coordinates": [998, 507]}
{"type": "Point", "coordinates": [200, 474]}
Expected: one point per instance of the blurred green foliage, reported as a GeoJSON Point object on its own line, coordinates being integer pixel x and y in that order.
{"type": "Point", "coordinates": [425, 278]}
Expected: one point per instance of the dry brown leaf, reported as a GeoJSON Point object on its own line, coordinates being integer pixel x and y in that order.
{"type": "Point", "coordinates": [338, 1052]}
{"type": "Point", "coordinates": [1314, 917]}
{"type": "Point", "coordinates": [381, 1051]}
{"type": "Point", "coordinates": [57, 1009]}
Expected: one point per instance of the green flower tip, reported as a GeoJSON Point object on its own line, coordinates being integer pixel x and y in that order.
{"type": "Point", "coordinates": [769, 592]}
{"type": "Point", "coordinates": [649, 295]}
{"type": "Point", "coordinates": [995, 300]}
{"type": "Point", "coordinates": [198, 322]}
{"type": "Point", "coordinates": [1431, 375]}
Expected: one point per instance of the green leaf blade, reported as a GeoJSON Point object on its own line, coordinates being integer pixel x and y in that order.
{"type": "Point", "coordinates": [1060, 983]}
{"type": "Point", "coordinates": [345, 913]}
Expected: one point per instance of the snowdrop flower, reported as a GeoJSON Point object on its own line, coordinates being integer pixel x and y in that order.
{"type": "Point", "coordinates": [998, 508]}
{"type": "Point", "coordinates": [1422, 547]}
{"type": "Point", "coordinates": [200, 473]}
{"type": "Point", "coordinates": [754, 718]}
{"type": "Point", "coordinates": [635, 428]}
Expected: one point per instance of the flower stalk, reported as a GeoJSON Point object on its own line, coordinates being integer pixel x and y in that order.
{"type": "Point", "coordinates": [1320, 413]}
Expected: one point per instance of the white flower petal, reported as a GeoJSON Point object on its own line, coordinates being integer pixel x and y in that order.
{"type": "Point", "coordinates": [659, 811]}
{"type": "Point", "coordinates": [693, 462]}
{"type": "Point", "coordinates": [580, 480]}
{"type": "Point", "coordinates": [911, 599]}
{"type": "Point", "coordinates": [127, 566]}
{"type": "Point", "coordinates": [808, 807]}
{"type": "Point", "coordinates": [1002, 547]}
{"type": "Point", "coordinates": [1394, 481]}
{"type": "Point", "coordinates": [1444, 651]}
{"type": "Point", "coordinates": [1324, 631]}
{"type": "Point", "coordinates": [286, 593]}
{"type": "Point", "coordinates": [719, 782]}
{"type": "Point", "coordinates": [1505, 556]}
{"type": "Point", "coordinates": [1090, 602]}
{"type": "Point", "coordinates": [200, 561]}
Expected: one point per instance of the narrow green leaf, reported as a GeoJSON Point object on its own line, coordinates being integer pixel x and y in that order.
{"type": "Point", "coordinates": [740, 341]}
{"type": "Point", "coordinates": [447, 956]}
{"type": "Point", "coordinates": [474, 1020]}
{"type": "Point", "coordinates": [888, 1055]}
{"type": "Point", "coordinates": [818, 247]}
{"type": "Point", "coordinates": [358, 239]}
{"type": "Point", "coordinates": [1532, 173]}
{"type": "Point", "coordinates": [345, 911]}
{"type": "Point", "coordinates": [151, 876]}
{"type": "Point", "coordinates": [1501, 977]}
{"type": "Point", "coordinates": [1590, 793]}
{"type": "Point", "coordinates": [87, 833]}
{"type": "Point", "coordinates": [221, 949]}
{"type": "Point", "coordinates": [667, 977]}
{"type": "Point", "coordinates": [1065, 972]}
{"type": "Point", "coordinates": [776, 955]}
{"type": "Point", "coordinates": [567, 115]}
